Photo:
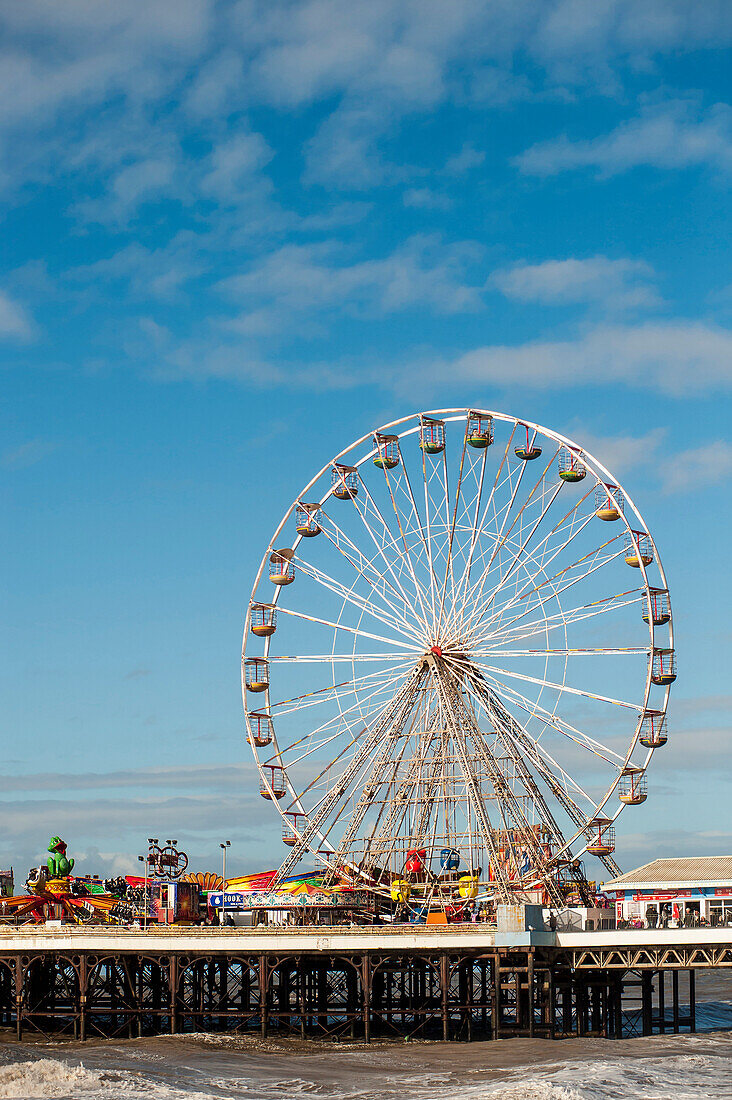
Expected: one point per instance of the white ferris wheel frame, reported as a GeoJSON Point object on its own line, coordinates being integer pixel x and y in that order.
{"type": "Point", "coordinates": [325, 847]}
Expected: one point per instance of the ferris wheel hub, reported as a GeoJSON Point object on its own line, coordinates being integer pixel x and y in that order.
{"type": "Point", "coordinates": [436, 650]}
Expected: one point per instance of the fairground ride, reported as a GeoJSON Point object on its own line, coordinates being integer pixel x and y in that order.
{"type": "Point", "coordinates": [457, 660]}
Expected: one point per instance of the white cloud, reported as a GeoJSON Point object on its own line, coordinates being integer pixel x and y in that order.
{"type": "Point", "coordinates": [218, 84]}
{"type": "Point", "coordinates": [194, 777]}
{"type": "Point", "coordinates": [233, 165]}
{"type": "Point", "coordinates": [707, 465]}
{"type": "Point", "coordinates": [343, 152]}
{"type": "Point", "coordinates": [621, 453]}
{"type": "Point", "coordinates": [673, 135]}
{"type": "Point", "coordinates": [612, 284]}
{"type": "Point", "coordinates": [157, 273]}
{"type": "Point", "coordinates": [674, 357]}
{"type": "Point", "coordinates": [15, 322]}
{"type": "Point", "coordinates": [468, 158]}
{"type": "Point", "coordinates": [424, 198]}
{"type": "Point", "coordinates": [27, 454]}
{"type": "Point", "coordinates": [142, 181]}
{"type": "Point", "coordinates": [300, 278]}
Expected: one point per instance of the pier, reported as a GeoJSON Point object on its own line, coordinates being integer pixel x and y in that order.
{"type": "Point", "coordinates": [462, 983]}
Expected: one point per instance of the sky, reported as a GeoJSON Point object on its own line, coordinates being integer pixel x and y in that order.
{"type": "Point", "coordinates": [237, 236]}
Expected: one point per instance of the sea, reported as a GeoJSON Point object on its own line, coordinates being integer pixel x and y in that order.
{"type": "Point", "coordinates": [232, 1067]}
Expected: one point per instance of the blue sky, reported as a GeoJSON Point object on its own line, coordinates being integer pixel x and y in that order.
{"type": "Point", "coordinates": [238, 235]}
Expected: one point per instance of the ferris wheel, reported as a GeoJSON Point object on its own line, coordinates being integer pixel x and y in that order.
{"type": "Point", "coordinates": [457, 659]}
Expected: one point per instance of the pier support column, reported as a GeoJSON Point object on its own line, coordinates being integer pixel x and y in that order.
{"type": "Point", "coordinates": [19, 997]}
{"type": "Point", "coordinates": [82, 998]}
{"type": "Point", "coordinates": [617, 1006]}
{"type": "Point", "coordinates": [675, 998]}
{"type": "Point", "coordinates": [692, 1001]}
{"type": "Point", "coordinates": [496, 998]}
{"type": "Point", "coordinates": [647, 1003]}
{"type": "Point", "coordinates": [366, 986]}
{"type": "Point", "coordinates": [530, 991]}
{"type": "Point", "coordinates": [444, 984]}
{"type": "Point", "coordinates": [173, 984]}
{"type": "Point", "coordinates": [263, 993]}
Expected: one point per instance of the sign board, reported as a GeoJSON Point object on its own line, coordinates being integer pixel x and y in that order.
{"type": "Point", "coordinates": [226, 901]}
{"type": "Point", "coordinates": [669, 895]}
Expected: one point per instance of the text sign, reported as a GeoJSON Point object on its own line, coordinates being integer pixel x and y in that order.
{"type": "Point", "coordinates": [226, 901]}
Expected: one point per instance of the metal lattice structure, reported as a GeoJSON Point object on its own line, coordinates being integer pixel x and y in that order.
{"type": "Point", "coordinates": [468, 635]}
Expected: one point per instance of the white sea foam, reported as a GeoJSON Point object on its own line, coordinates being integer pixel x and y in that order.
{"type": "Point", "coordinates": [49, 1079]}
{"type": "Point", "coordinates": [46, 1077]}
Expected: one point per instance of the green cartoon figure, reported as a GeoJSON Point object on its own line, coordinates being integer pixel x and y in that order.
{"type": "Point", "coordinates": [58, 865]}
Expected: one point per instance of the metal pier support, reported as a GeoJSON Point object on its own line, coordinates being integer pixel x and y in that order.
{"type": "Point", "coordinates": [455, 995]}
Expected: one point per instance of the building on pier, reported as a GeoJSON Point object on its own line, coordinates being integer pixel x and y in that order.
{"type": "Point", "coordinates": [683, 891]}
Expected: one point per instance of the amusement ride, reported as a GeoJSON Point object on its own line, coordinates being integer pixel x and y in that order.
{"type": "Point", "coordinates": [457, 661]}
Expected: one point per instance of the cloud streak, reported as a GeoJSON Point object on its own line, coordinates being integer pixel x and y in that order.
{"type": "Point", "coordinates": [672, 357]}
{"type": "Point", "coordinates": [670, 136]}
{"type": "Point", "coordinates": [614, 285]}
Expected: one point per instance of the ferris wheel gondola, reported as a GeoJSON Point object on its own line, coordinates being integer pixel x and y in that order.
{"type": "Point", "coordinates": [465, 664]}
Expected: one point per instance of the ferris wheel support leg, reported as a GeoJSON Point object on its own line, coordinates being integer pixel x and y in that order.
{"type": "Point", "coordinates": [508, 798]}
{"type": "Point", "coordinates": [498, 716]}
{"type": "Point", "coordinates": [453, 705]}
{"type": "Point", "coordinates": [379, 767]}
{"type": "Point", "coordinates": [522, 740]}
{"type": "Point", "coordinates": [379, 845]}
{"type": "Point", "coordinates": [404, 698]}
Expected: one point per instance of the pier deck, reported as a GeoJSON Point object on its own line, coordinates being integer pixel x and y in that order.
{"type": "Point", "coordinates": [461, 982]}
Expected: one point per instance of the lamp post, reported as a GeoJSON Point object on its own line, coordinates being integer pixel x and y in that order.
{"type": "Point", "coordinates": [226, 844]}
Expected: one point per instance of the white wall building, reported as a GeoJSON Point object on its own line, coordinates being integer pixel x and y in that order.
{"type": "Point", "coordinates": [681, 891]}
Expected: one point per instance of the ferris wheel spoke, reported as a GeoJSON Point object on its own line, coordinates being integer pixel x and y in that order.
{"type": "Point", "coordinates": [553, 581]}
{"type": "Point", "coordinates": [340, 658]}
{"type": "Point", "coordinates": [560, 783]}
{"type": "Point", "coordinates": [428, 479]}
{"type": "Point", "coordinates": [490, 503]}
{"type": "Point", "coordinates": [481, 604]}
{"type": "Point", "coordinates": [478, 524]}
{"type": "Point", "coordinates": [336, 626]}
{"type": "Point", "coordinates": [560, 687]}
{"type": "Point", "coordinates": [449, 570]}
{"type": "Point", "coordinates": [391, 541]}
{"type": "Point", "coordinates": [561, 725]}
{"type": "Point", "coordinates": [478, 588]}
{"type": "Point", "coordinates": [404, 527]}
{"type": "Point", "coordinates": [363, 604]}
{"type": "Point", "coordinates": [366, 565]}
{"type": "Point", "coordinates": [334, 727]}
{"type": "Point", "coordinates": [541, 564]}
{"type": "Point", "coordinates": [420, 526]}
{"type": "Point", "coordinates": [617, 652]}
{"type": "Point", "coordinates": [372, 577]}
{"type": "Point", "coordinates": [518, 555]}
{"type": "Point", "coordinates": [513, 633]}
{"type": "Point", "coordinates": [325, 694]}
{"type": "Point", "coordinates": [531, 499]}
{"type": "Point", "coordinates": [403, 699]}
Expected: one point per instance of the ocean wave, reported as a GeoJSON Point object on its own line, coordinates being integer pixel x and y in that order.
{"type": "Point", "coordinates": [49, 1079]}
{"type": "Point", "coordinates": [45, 1077]}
